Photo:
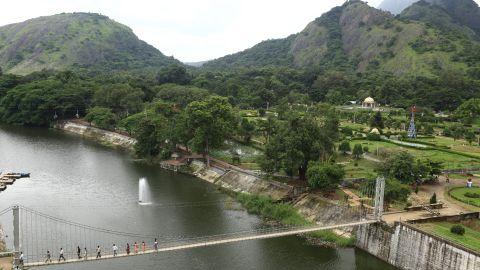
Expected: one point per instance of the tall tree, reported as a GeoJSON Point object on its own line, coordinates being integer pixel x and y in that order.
{"type": "Point", "coordinates": [297, 142]}
{"type": "Point", "coordinates": [469, 111]}
{"type": "Point", "coordinates": [211, 122]}
{"type": "Point", "coordinates": [377, 121]}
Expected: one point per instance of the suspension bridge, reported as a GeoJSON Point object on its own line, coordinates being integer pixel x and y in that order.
{"type": "Point", "coordinates": [35, 233]}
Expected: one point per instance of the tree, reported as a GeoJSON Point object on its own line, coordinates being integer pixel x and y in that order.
{"type": "Point", "coordinates": [148, 144]}
{"type": "Point", "coordinates": [267, 127]}
{"type": "Point", "coordinates": [173, 74]}
{"type": "Point", "coordinates": [122, 98]}
{"type": "Point", "coordinates": [469, 111]}
{"type": "Point", "coordinates": [210, 121]}
{"type": "Point", "coordinates": [357, 151]}
{"type": "Point", "coordinates": [428, 129]}
{"type": "Point", "coordinates": [433, 199]}
{"type": "Point", "coordinates": [470, 137]}
{"type": "Point", "coordinates": [246, 129]}
{"type": "Point", "coordinates": [324, 176]}
{"type": "Point", "coordinates": [180, 94]}
{"type": "Point", "coordinates": [402, 167]}
{"type": "Point", "coordinates": [101, 117]}
{"type": "Point", "coordinates": [377, 121]}
{"type": "Point", "coordinates": [37, 103]}
{"type": "Point", "coordinates": [344, 147]}
{"type": "Point", "coordinates": [395, 191]}
{"type": "Point", "coordinates": [297, 142]}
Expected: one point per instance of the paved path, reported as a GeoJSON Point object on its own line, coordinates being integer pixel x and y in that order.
{"type": "Point", "coordinates": [6, 263]}
{"type": "Point", "coordinates": [451, 206]}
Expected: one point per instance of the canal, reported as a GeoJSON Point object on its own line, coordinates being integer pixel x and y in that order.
{"type": "Point", "coordinates": [81, 181]}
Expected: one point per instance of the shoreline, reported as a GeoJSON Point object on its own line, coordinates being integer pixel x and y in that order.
{"type": "Point", "coordinates": [229, 181]}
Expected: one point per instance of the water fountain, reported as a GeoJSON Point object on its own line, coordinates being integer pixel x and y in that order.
{"type": "Point", "coordinates": [144, 196]}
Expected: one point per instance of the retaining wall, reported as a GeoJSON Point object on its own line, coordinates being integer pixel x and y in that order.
{"type": "Point", "coordinates": [100, 135]}
{"type": "Point", "coordinates": [409, 248]}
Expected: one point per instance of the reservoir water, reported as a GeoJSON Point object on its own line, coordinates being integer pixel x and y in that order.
{"type": "Point", "coordinates": [81, 181]}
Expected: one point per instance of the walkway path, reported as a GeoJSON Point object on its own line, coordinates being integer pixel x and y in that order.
{"type": "Point", "coordinates": [6, 263]}
{"type": "Point", "coordinates": [451, 206]}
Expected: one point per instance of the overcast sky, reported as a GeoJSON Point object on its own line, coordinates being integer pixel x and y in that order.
{"type": "Point", "coordinates": [190, 30]}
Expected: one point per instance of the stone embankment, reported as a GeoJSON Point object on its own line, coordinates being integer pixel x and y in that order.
{"type": "Point", "coordinates": [409, 248]}
{"type": "Point", "coordinates": [105, 137]}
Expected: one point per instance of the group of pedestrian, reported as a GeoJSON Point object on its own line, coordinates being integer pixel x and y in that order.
{"type": "Point", "coordinates": [98, 251]}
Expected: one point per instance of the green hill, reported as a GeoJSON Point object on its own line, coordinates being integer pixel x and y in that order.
{"type": "Point", "coordinates": [358, 38]}
{"type": "Point", "coordinates": [75, 40]}
{"type": "Point", "coordinates": [436, 16]}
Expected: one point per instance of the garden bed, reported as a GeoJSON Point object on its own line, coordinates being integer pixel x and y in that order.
{"type": "Point", "coordinates": [459, 193]}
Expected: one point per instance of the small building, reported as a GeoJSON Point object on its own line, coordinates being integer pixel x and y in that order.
{"type": "Point", "coordinates": [369, 103]}
{"type": "Point", "coordinates": [375, 131]}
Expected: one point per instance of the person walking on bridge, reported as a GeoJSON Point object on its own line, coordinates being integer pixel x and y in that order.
{"type": "Point", "coordinates": [115, 249]}
{"type": "Point", "coordinates": [79, 251]}
{"type": "Point", "coordinates": [155, 245]}
{"type": "Point", "coordinates": [85, 257]}
{"type": "Point", "coordinates": [128, 249]}
{"type": "Point", "coordinates": [135, 248]}
{"type": "Point", "coordinates": [20, 260]}
{"type": "Point", "coordinates": [61, 257]}
{"type": "Point", "coordinates": [99, 252]}
{"type": "Point", "coordinates": [144, 246]}
{"type": "Point", "coordinates": [49, 257]}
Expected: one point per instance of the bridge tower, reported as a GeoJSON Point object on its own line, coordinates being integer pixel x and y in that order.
{"type": "Point", "coordinates": [16, 234]}
{"type": "Point", "coordinates": [412, 131]}
{"type": "Point", "coordinates": [379, 193]}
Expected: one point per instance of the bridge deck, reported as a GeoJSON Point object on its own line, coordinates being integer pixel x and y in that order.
{"type": "Point", "coordinates": [203, 243]}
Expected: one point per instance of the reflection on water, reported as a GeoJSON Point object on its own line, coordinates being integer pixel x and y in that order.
{"type": "Point", "coordinates": [83, 182]}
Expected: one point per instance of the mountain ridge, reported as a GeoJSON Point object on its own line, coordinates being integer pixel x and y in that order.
{"type": "Point", "coordinates": [75, 41]}
{"type": "Point", "coordinates": [355, 37]}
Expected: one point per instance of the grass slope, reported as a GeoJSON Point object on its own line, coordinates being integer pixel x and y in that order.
{"type": "Point", "coordinates": [471, 238]}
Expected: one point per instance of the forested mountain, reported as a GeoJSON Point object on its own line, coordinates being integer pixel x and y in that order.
{"type": "Point", "coordinates": [358, 38]}
{"type": "Point", "coordinates": [75, 41]}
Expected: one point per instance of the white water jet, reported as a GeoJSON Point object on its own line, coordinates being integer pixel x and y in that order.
{"type": "Point", "coordinates": [144, 195]}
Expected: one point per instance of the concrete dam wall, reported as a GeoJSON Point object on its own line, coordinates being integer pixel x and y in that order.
{"type": "Point", "coordinates": [408, 248]}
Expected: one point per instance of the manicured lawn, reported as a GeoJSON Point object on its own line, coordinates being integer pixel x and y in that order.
{"type": "Point", "coordinates": [470, 239]}
{"type": "Point", "coordinates": [450, 160]}
{"type": "Point", "coordinates": [459, 194]}
{"type": "Point", "coordinates": [365, 168]}
{"type": "Point", "coordinates": [456, 145]}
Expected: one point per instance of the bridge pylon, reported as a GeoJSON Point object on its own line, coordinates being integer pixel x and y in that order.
{"type": "Point", "coordinates": [379, 198]}
{"type": "Point", "coordinates": [16, 235]}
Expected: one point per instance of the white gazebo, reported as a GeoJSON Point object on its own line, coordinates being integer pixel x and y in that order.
{"type": "Point", "coordinates": [369, 102]}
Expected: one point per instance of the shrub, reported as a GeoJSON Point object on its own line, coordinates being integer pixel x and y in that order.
{"type": "Point", "coordinates": [324, 176]}
{"type": "Point", "coordinates": [344, 147]}
{"type": "Point", "coordinates": [373, 137]}
{"type": "Point", "coordinates": [357, 151]}
{"type": "Point", "coordinates": [266, 207]}
{"type": "Point", "coordinates": [262, 112]}
{"type": "Point", "coordinates": [365, 149]}
{"type": "Point", "coordinates": [457, 229]}
{"type": "Point", "coordinates": [433, 199]}
{"type": "Point", "coordinates": [472, 195]}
